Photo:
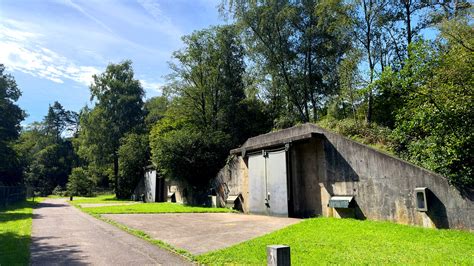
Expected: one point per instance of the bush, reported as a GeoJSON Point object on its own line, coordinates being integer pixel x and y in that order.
{"type": "Point", "coordinates": [370, 134]}
{"type": "Point", "coordinates": [59, 191]}
{"type": "Point", "coordinates": [189, 155]}
{"type": "Point", "coordinates": [80, 184]}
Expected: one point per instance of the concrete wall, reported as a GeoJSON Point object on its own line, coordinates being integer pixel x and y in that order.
{"type": "Point", "coordinates": [306, 171]}
{"type": "Point", "coordinates": [383, 187]}
{"type": "Point", "coordinates": [232, 179]}
{"type": "Point", "coordinates": [324, 164]}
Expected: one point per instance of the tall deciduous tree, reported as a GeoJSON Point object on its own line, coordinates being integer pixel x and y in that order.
{"type": "Point", "coordinates": [118, 111]}
{"type": "Point", "coordinates": [10, 117]}
{"type": "Point", "coordinates": [434, 120]}
{"type": "Point", "coordinates": [299, 45]}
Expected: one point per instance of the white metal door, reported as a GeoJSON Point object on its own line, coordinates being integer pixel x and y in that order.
{"type": "Point", "coordinates": [277, 193]}
{"type": "Point", "coordinates": [268, 183]}
{"type": "Point", "coordinates": [257, 189]}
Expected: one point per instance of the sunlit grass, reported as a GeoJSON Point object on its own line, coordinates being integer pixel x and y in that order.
{"type": "Point", "coordinates": [108, 198]}
{"type": "Point", "coordinates": [161, 207]}
{"type": "Point", "coordinates": [15, 232]}
{"type": "Point", "coordinates": [347, 241]}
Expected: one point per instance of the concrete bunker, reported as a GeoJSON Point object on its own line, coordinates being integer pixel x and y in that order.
{"type": "Point", "coordinates": [306, 171]}
{"type": "Point", "coordinates": [154, 188]}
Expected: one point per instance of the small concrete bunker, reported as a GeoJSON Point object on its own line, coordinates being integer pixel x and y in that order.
{"type": "Point", "coordinates": [306, 171]}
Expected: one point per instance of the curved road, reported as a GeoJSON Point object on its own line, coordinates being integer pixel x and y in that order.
{"type": "Point", "coordinates": [63, 235]}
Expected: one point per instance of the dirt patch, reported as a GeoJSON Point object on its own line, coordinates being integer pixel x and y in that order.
{"type": "Point", "coordinates": [202, 232]}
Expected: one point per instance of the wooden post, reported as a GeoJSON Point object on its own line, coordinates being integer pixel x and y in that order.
{"type": "Point", "coordinates": [278, 255]}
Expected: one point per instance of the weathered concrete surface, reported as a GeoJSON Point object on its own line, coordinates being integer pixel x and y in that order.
{"type": "Point", "coordinates": [63, 235]}
{"type": "Point", "coordinates": [324, 164]}
{"type": "Point", "coordinates": [202, 232]}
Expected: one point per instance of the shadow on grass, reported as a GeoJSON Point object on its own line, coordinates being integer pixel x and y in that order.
{"type": "Point", "coordinates": [18, 205]}
{"type": "Point", "coordinates": [14, 248]}
{"type": "Point", "coordinates": [9, 217]}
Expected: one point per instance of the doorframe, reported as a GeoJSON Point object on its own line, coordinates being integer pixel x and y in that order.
{"type": "Point", "coordinates": [264, 152]}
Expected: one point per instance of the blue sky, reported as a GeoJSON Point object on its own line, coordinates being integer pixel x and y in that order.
{"type": "Point", "coordinates": [53, 47]}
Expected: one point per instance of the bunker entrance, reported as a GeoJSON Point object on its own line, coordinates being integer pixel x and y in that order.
{"type": "Point", "coordinates": [268, 184]}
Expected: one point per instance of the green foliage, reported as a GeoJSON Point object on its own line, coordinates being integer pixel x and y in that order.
{"type": "Point", "coordinates": [59, 191]}
{"type": "Point", "coordinates": [155, 109]}
{"type": "Point", "coordinates": [10, 117]}
{"type": "Point", "coordinates": [80, 183]}
{"type": "Point", "coordinates": [370, 134]}
{"type": "Point", "coordinates": [296, 47]}
{"type": "Point", "coordinates": [133, 157]}
{"type": "Point", "coordinates": [189, 155]}
{"type": "Point", "coordinates": [346, 241]}
{"type": "Point", "coordinates": [209, 112]}
{"type": "Point", "coordinates": [118, 111]}
{"type": "Point", "coordinates": [162, 207]}
{"type": "Point", "coordinates": [46, 157]}
{"type": "Point", "coordinates": [433, 125]}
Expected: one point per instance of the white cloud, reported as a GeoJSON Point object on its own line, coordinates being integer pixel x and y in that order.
{"type": "Point", "coordinates": [151, 86]}
{"type": "Point", "coordinates": [164, 23]}
{"type": "Point", "coordinates": [22, 51]}
{"type": "Point", "coordinates": [82, 11]}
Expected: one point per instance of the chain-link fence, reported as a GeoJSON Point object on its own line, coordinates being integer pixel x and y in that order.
{"type": "Point", "coordinates": [10, 194]}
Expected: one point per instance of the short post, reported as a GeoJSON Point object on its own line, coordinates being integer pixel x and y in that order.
{"type": "Point", "coordinates": [278, 255]}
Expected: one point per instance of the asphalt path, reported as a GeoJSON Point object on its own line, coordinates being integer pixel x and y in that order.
{"type": "Point", "coordinates": [63, 235]}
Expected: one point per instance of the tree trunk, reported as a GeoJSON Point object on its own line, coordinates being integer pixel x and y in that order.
{"type": "Point", "coordinates": [116, 170]}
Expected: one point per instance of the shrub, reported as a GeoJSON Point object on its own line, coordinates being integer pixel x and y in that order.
{"type": "Point", "coordinates": [80, 184]}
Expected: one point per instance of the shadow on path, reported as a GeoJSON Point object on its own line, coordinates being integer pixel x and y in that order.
{"type": "Point", "coordinates": [46, 254]}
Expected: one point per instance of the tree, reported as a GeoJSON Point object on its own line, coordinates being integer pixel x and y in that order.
{"type": "Point", "coordinates": [207, 84]}
{"type": "Point", "coordinates": [118, 111]}
{"type": "Point", "coordinates": [368, 31]}
{"type": "Point", "coordinates": [47, 157]}
{"type": "Point", "coordinates": [188, 155]}
{"type": "Point", "coordinates": [298, 45]}
{"type": "Point", "coordinates": [10, 117]}
{"type": "Point", "coordinates": [80, 183]}
{"type": "Point", "coordinates": [434, 122]}
{"type": "Point", "coordinates": [58, 120]}
{"type": "Point", "coordinates": [133, 158]}
{"type": "Point", "coordinates": [155, 109]}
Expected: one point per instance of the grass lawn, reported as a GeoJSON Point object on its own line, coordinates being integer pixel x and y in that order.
{"type": "Point", "coordinates": [108, 198]}
{"type": "Point", "coordinates": [139, 207]}
{"type": "Point", "coordinates": [348, 241]}
{"type": "Point", "coordinates": [15, 233]}
{"type": "Point", "coordinates": [159, 207]}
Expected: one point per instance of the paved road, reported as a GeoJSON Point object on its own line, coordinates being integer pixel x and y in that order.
{"type": "Point", "coordinates": [203, 232]}
{"type": "Point", "coordinates": [64, 235]}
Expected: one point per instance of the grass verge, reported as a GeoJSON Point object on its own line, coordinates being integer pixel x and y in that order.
{"type": "Point", "coordinates": [158, 207]}
{"type": "Point", "coordinates": [107, 198]}
{"type": "Point", "coordinates": [347, 241]}
{"type": "Point", "coordinates": [15, 232]}
{"type": "Point", "coordinates": [161, 207]}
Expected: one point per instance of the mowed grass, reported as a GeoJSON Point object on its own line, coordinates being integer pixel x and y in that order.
{"type": "Point", "coordinates": [161, 207]}
{"type": "Point", "coordinates": [347, 241]}
{"type": "Point", "coordinates": [15, 233]}
{"type": "Point", "coordinates": [138, 207]}
{"type": "Point", "coordinates": [108, 198]}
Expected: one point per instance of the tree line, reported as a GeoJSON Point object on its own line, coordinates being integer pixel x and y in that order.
{"type": "Point", "coordinates": [395, 74]}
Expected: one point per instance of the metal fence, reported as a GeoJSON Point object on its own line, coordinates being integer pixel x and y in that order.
{"type": "Point", "coordinates": [10, 194]}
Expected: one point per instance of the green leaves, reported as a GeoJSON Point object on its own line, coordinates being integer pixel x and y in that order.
{"type": "Point", "coordinates": [434, 124]}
